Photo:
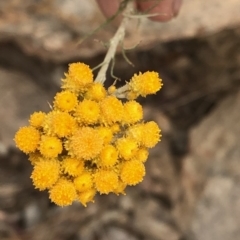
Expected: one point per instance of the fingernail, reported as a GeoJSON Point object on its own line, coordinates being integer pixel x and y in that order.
{"type": "Point", "coordinates": [176, 7]}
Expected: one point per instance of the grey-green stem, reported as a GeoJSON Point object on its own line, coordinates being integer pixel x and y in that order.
{"type": "Point", "coordinates": [114, 42]}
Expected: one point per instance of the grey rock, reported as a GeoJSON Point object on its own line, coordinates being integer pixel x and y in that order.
{"type": "Point", "coordinates": [211, 175]}
{"type": "Point", "coordinates": [217, 214]}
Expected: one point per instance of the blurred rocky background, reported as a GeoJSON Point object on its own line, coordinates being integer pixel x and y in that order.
{"type": "Point", "coordinates": [192, 187]}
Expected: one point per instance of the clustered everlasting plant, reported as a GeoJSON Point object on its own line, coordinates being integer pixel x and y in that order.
{"type": "Point", "coordinates": [91, 141]}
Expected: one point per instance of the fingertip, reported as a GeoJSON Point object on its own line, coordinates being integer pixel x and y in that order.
{"type": "Point", "coordinates": [176, 7]}
{"type": "Point", "coordinates": [108, 7]}
{"type": "Point", "coordinates": [165, 9]}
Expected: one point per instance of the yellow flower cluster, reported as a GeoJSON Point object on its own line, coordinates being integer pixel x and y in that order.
{"type": "Point", "coordinates": [90, 141]}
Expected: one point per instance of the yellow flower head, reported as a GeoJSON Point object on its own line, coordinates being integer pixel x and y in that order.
{"type": "Point", "coordinates": [112, 89]}
{"type": "Point", "coordinates": [111, 110]}
{"type": "Point", "coordinates": [120, 188]}
{"type": "Point", "coordinates": [145, 83]}
{"type": "Point", "coordinates": [34, 157]}
{"type": "Point", "coordinates": [72, 166]}
{"type": "Point", "coordinates": [27, 139]}
{"type": "Point", "coordinates": [36, 119]}
{"type": "Point", "coordinates": [106, 181]}
{"type": "Point", "coordinates": [85, 143]}
{"type": "Point", "coordinates": [63, 193]}
{"type": "Point", "coordinates": [115, 128]}
{"type": "Point", "coordinates": [133, 112]}
{"type": "Point", "coordinates": [96, 92]}
{"type": "Point", "coordinates": [84, 182]}
{"type": "Point", "coordinates": [136, 132]}
{"type": "Point", "coordinates": [141, 155]}
{"type": "Point", "coordinates": [87, 196]}
{"type": "Point", "coordinates": [90, 141]}
{"type": "Point", "coordinates": [132, 172]}
{"type": "Point", "coordinates": [59, 123]}
{"type": "Point", "coordinates": [45, 173]}
{"type": "Point", "coordinates": [78, 77]}
{"type": "Point", "coordinates": [87, 112]}
{"type": "Point", "coordinates": [65, 101]}
{"type": "Point", "coordinates": [131, 95]}
{"type": "Point", "coordinates": [127, 147]}
{"type": "Point", "coordinates": [50, 147]}
{"type": "Point", "coordinates": [108, 156]}
{"type": "Point", "coordinates": [105, 133]}
{"type": "Point", "coordinates": [151, 134]}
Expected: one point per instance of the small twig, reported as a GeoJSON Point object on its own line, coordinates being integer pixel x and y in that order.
{"type": "Point", "coordinates": [126, 57]}
{"type": "Point", "coordinates": [127, 49]}
{"type": "Point", "coordinates": [98, 66]}
{"type": "Point", "coordinates": [113, 43]}
{"type": "Point", "coordinates": [111, 72]}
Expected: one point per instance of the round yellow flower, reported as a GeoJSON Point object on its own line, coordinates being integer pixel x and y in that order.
{"type": "Point", "coordinates": [87, 196]}
{"type": "Point", "coordinates": [127, 147]}
{"type": "Point", "coordinates": [133, 112]}
{"type": "Point", "coordinates": [85, 143]}
{"type": "Point", "coordinates": [96, 92]}
{"type": "Point", "coordinates": [78, 77]}
{"type": "Point", "coordinates": [108, 156]}
{"type": "Point", "coordinates": [105, 133]}
{"type": "Point", "coordinates": [36, 119]}
{"type": "Point", "coordinates": [136, 132]}
{"type": "Point", "coordinates": [63, 193]}
{"type": "Point", "coordinates": [34, 157]}
{"type": "Point", "coordinates": [131, 95]}
{"type": "Point", "coordinates": [111, 110]}
{"type": "Point", "coordinates": [115, 128]}
{"type": "Point", "coordinates": [63, 124]}
{"type": "Point", "coordinates": [87, 112]}
{"type": "Point", "coordinates": [106, 181]}
{"type": "Point", "coordinates": [83, 182]}
{"type": "Point", "coordinates": [72, 166]}
{"type": "Point", "coordinates": [141, 155]}
{"type": "Point", "coordinates": [132, 172]}
{"type": "Point", "coordinates": [65, 101]}
{"type": "Point", "coordinates": [27, 139]}
{"type": "Point", "coordinates": [151, 134]}
{"type": "Point", "coordinates": [120, 188]}
{"type": "Point", "coordinates": [59, 123]}
{"type": "Point", "coordinates": [50, 147]}
{"type": "Point", "coordinates": [112, 89]}
{"type": "Point", "coordinates": [45, 174]}
{"type": "Point", "coordinates": [145, 83]}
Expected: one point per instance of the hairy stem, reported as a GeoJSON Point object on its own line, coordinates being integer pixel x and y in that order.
{"type": "Point", "coordinates": [113, 44]}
